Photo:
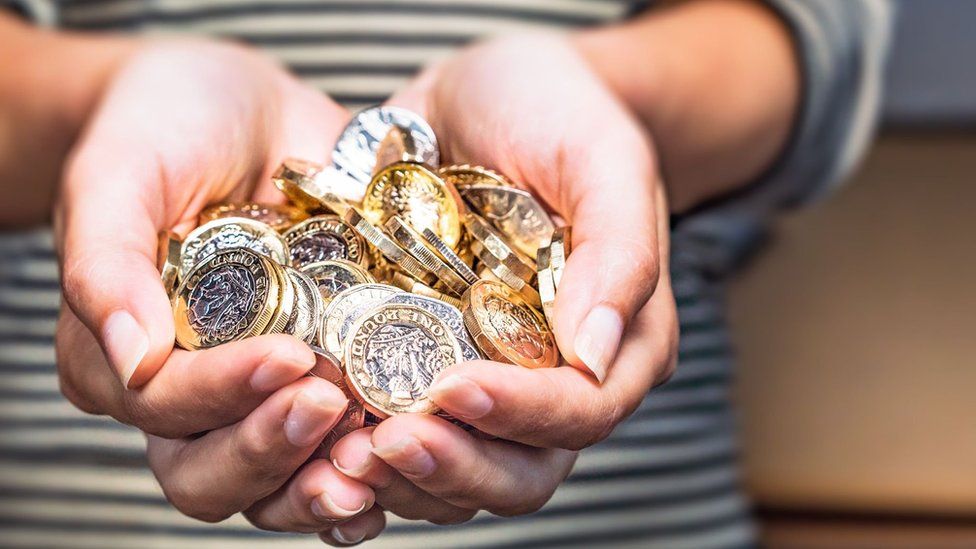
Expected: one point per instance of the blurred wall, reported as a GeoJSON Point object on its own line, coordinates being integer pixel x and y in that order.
{"type": "Point", "coordinates": [857, 326]}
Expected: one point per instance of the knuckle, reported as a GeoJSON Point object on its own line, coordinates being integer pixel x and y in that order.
{"type": "Point", "coordinates": [258, 453]}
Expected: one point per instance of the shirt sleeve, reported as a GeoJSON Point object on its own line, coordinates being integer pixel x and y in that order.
{"type": "Point", "coordinates": [842, 47]}
{"type": "Point", "coordinates": [40, 12]}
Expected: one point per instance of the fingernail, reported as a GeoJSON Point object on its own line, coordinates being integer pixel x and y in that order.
{"type": "Point", "coordinates": [409, 457]}
{"type": "Point", "coordinates": [280, 370]}
{"type": "Point", "coordinates": [461, 397]}
{"type": "Point", "coordinates": [347, 534]}
{"type": "Point", "coordinates": [326, 507]}
{"type": "Point", "coordinates": [126, 344]}
{"type": "Point", "coordinates": [597, 340]}
{"type": "Point", "coordinates": [312, 414]}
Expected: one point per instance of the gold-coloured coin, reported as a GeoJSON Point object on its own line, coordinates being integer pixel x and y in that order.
{"type": "Point", "coordinates": [408, 284]}
{"type": "Point", "coordinates": [415, 245]}
{"type": "Point", "coordinates": [455, 261]}
{"type": "Point", "coordinates": [399, 145]}
{"type": "Point", "coordinates": [286, 302]}
{"type": "Point", "coordinates": [394, 353]}
{"type": "Point", "coordinates": [322, 238]}
{"type": "Point", "coordinates": [230, 295]}
{"type": "Point", "coordinates": [229, 233]}
{"type": "Point", "coordinates": [506, 327]}
{"type": "Point", "coordinates": [417, 195]}
{"type": "Point", "coordinates": [334, 276]}
{"type": "Point", "coordinates": [168, 261]}
{"type": "Point", "coordinates": [277, 216]}
{"type": "Point", "coordinates": [464, 175]}
{"type": "Point", "coordinates": [309, 185]}
{"type": "Point", "coordinates": [395, 255]}
{"type": "Point", "coordinates": [488, 242]}
{"type": "Point", "coordinates": [515, 213]}
{"type": "Point", "coordinates": [345, 304]}
{"type": "Point", "coordinates": [551, 262]}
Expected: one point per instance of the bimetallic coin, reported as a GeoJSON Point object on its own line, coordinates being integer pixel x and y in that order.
{"type": "Point", "coordinates": [228, 233]}
{"type": "Point", "coordinates": [464, 175]}
{"type": "Point", "coordinates": [506, 328]}
{"type": "Point", "coordinates": [334, 276]}
{"type": "Point", "coordinates": [287, 303]}
{"type": "Point", "coordinates": [393, 355]}
{"type": "Point", "coordinates": [487, 241]}
{"type": "Point", "coordinates": [417, 195]}
{"type": "Point", "coordinates": [451, 316]}
{"type": "Point", "coordinates": [417, 247]}
{"type": "Point", "coordinates": [551, 261]}
{"type": "Point", "coordinates": [355, 155]}
{"type": "Point", "coordinates": [307, 315]}
{"type": "Point", "coordinates": [277, 216]}
{"type": "Point", "coordinates": [324, 237]}
{"type": "Point", "coordinates": [168, 261]}
{"type": "Point", "coordinates": [515, 213]}
{"type": "Point", "coordinates": [453, 260]}
{"type": "Point", "coordinates": [231, 295]}
{"type": "Point", "coordinates": [310, 185]}
{"type": "Point", "coordinates": [342, 306]}
{"type": "Point", "coordinates": [394, 254]}
{"type": "Point", "coordinates": [329, 368]}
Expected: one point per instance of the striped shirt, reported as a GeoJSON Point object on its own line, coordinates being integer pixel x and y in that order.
{"type": "Point", "coordinates": [667, 477]}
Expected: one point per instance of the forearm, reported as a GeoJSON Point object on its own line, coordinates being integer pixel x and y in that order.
{"type": "Point", "coordinates": [49, 84]}
{"type": "Point", "coordinates": [715, 81]}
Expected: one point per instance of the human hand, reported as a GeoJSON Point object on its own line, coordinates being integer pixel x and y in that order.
{"type": "Point", "coordinates": [182, 125]}
{"type": "Point", "coordinates": [532, 109]}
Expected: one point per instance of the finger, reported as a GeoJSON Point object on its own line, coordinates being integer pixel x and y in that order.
{"type": "Point", "coordinates": [353, 456]}
{"type": "Point", "coordinates": [317, 497]}
{"type": "Point", "coordinates": [445, 461]}
{"type": "Point", "coordinates": [197, 391]}
{"type": "Point", "coordinates": [362, 528]}
{"type": "Point", "coordinates": [108, 263]}
{"type": "Point", "coordinates": [227, 470]}
{"type": "Point", "coordinates": [563, 407]}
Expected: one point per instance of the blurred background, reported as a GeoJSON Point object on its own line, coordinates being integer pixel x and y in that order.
{"type": "Point", "coordinates": [857, 379]}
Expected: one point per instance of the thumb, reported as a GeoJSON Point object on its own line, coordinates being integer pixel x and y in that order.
{"type": "Point", "coordinates": [615, 261]}
{"type": "Point", "coordinates": [108, 243]}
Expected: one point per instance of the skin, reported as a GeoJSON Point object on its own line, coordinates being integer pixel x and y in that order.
{"type": "Point", "coordinates": [158, 130]}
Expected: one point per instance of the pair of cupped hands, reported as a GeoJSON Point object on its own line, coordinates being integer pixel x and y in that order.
{"type": "Point", "coordinates": [235, 428]}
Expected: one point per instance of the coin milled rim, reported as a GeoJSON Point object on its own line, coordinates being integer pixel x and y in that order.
{"type": "Point", "coordinates": [493, 243]}
{"type": "Point", "coordinates": [304, 183]}
{"type": "Point", "coordinates": [414, 244]}
{"type": "Point", "coordinates": [447, 254]}
{"type": "Point", "coordinates": [388, 247]}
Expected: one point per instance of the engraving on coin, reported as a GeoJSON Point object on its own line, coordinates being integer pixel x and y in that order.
{"type": "Point", "coordinates": [344, 304]}
{"type": "Point", "coordinates": [324, 238]}
{"type": "Point", "coordinates": [418, 196]}
{"type": "Point", "coordinates": [515, 213]}
{"type": "Point", "coordinates": [230, 295]}
{"type": "Point", "coordinates": [451, 316]}
{"type": "Point", "coordinates": [354, 157]}
{"type": "Point", "coordinates": [334, 276]}
{"type": "Point", "coordinates": [394, 354]}
{"type": "Point", "coordinates": [229, 233]}
{"type": "Point", "coordinates": [507, 328]}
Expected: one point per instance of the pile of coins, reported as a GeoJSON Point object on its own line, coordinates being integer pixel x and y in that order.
{"type": "Point", "coordinates": [390, 266]}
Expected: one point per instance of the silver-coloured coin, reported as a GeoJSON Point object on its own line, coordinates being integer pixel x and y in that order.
{"type": "Point", "coordinates": [354, 156]}
{"type": "Point", "coordinates": [342, 305]}
{"type": "Point", "coordinates": [231, 233]}
{"type": "Point", "coordinates": [308, 307]}
{"type": "Point", "coordinates": [448, 313]}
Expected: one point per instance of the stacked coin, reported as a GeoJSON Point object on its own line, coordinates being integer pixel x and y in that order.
{"type": "Point", "coordinates": [391, 266]}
